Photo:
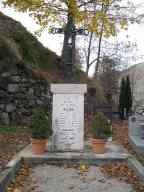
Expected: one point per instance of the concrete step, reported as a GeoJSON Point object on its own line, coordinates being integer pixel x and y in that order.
{"type": "Point", "coordinates": [114, 153]}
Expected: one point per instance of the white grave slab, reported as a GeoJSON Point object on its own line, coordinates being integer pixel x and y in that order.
{"type": "Point", "coordinates": [136, 133]}
{"type": "Point", "coordinates": [68, 116]}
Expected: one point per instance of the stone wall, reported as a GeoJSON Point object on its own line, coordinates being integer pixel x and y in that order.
{"type": "Point", "coordinates": [20, 93]}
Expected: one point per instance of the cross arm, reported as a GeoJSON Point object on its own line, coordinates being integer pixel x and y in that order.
{"type": "Point", "coordinates": [74, 31]}
{"type": "Point", "coordinates": [82, 32]}
{"type": "Point", "coordinates": [58, 30]}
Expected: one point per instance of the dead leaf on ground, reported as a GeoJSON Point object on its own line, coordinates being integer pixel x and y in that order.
{"type": "Point", "coordinates": [17, 190]}
{"type": "Point", "coordinates": [71, 187]}
{"type": "Point", "coordinates": [33, 179]}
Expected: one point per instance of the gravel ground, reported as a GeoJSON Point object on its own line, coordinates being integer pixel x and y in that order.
{"type": "Point", "coordinates": [51, 178]}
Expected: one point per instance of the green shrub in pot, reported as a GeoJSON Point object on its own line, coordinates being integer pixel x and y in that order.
{"type": "Point", "coordinates": [101, 128]}
{"type": "Point", "coordinates": [39, 129]}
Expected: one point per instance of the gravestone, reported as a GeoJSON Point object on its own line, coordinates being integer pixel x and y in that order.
{"type": "Point", "coordinates": [68, 116]}
{"type": "Point", "coordinates": [136, 133]}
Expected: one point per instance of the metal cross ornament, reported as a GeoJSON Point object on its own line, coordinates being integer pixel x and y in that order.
{"type": "Point", "coordinates": [70, 31]}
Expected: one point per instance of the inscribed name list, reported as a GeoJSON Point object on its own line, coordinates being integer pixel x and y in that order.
{"type": "Point", "coordinates": [68, 124]}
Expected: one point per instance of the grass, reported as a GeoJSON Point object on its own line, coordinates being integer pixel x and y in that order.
{"type": "Point", "coordinates": [7, 149]}
{"type": "Point", "coordinates": [20, 49]}
{"type": "Point", "coordinates": [7, 129]}
{"type": "Point", "coordinates": [18, 45]}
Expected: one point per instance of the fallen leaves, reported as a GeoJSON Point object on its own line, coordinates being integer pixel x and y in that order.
{"type": "Point", "coordinates": [71, 187]}
{"type": "Point", "coordinates": [83, 167]}
{"type": "Point", "coordinates": [101, 180]}
{"type": "Point", "coordinates": [33, 179]}
{"type": "Point", "coordinates": [17, 190]}
{"type": "Point", "coordinates": [12, 143]}
{"type": "Point", "coordinates": [120, 134]}
{"type": "Point", "coordinates": [21, 179]}
{"type": "Point", "coordinates": [123, 171]}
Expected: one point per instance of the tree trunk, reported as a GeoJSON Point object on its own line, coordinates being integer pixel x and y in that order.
{"type": "Point", "coordinates": [87, 71]}
{"type": "Point", "coordinates": [88, 55]}
{"type": "Point", "coordinates": [99, 52]}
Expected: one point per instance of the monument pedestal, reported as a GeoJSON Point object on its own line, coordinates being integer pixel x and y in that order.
{"type": "Point", "coordinates": [68, 116]}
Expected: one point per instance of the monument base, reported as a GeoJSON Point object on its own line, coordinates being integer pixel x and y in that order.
{"type": "Point", "coordinates": [114, 153]}
{"type": "Point", "coordinates": [137, 144]}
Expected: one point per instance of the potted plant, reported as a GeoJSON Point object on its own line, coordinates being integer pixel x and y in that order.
{"type": "Point", "coordinates": [39, 129]}
{"type": "Point", "coordinates": [101, 130]}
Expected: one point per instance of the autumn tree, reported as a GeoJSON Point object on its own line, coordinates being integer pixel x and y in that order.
{"type": "Point", "coordinates": [108, 78]}
{"type": "Point", "coordinates": [99, 16]}
{"type": "Point", "coordinates": [95, 48]}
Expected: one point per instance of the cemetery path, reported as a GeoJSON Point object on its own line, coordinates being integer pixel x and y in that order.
{"type": "Point", "coordinates": [14, 142]}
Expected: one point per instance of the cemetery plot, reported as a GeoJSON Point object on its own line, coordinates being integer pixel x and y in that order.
{"type": "Point", "coordinates": [51, 178]}
{"type": "Point", "coordinates": [136, 133]}
{"type": "Point", "coordinates": [120, 170]}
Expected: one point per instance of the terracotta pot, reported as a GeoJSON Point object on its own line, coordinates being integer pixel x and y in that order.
{"type": "Point", "coordinates": [98, 145]}
{"type": "Point", "coordinates": [38, 145]}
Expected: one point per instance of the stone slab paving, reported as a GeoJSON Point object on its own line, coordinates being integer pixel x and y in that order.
{"type": "Point", "coordinates": [52, 178]}
{"type": "Point", "coordinates": [114, 153]}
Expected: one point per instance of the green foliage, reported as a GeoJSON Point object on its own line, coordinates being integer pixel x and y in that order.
{"type": "Point", "coordinates": [32, 60]}
{"type": "Point", "coordinates": [88, 14]}
{"type": "Point", "coordinates": [128, 95]}
{"type": "Point", "coordinates": [122, 99]}
{"type": "Point", "coordinates": [9, 54]}
{"type": "Point", "coordinates": [125, 97]}
{"type": "Point", "coordinates": [5, 129]}
{"type": "Point", "coordinates": [7, 49]}
{"type": "Point", "coordinates": [18, 45]}
{"type": "Point", "coordinates": [38, 126]}
{"type": "Point", "coordinates": [101, 128]}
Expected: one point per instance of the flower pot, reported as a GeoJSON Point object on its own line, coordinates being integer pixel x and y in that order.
{"type": "Point", "coordinates": [98, 145]}
{"type": "Point", "coordinates": [38, 145]}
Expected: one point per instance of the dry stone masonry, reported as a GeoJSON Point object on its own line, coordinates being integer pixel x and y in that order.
{"type": "Point", "coordinates": [20, 93]}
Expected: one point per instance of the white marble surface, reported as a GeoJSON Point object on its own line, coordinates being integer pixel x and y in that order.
{"type": "Point", "coordinates": [68, 88]}
{"type": "Point", "coordinates": [135, 128]}
{"type": "Point", "coordinates": [68, 121]}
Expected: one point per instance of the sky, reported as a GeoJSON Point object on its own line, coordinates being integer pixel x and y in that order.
{"type": "Point", "coordinates": [135, 32]}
